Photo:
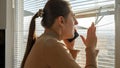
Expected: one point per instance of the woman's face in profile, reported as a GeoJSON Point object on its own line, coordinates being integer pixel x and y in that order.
{"type": "Point", "coordinates": [69, 26]}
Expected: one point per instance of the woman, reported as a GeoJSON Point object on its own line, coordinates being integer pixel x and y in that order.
{"type": "Point", "coordinates": [47, 51]}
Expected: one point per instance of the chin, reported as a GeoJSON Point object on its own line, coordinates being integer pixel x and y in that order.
{"type": "Point", "coordinates": [69, 35]}
{"type": "Point", "coordinates": [72, 35]}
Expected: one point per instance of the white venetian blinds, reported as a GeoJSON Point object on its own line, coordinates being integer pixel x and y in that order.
{"type": "Point", "coordinates": [79, 7]}
{"type": "Point", "coordinates": [88, 8]}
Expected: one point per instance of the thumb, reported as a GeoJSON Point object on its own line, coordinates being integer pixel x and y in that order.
{"type": "Point", "coordinates": [83, 39]}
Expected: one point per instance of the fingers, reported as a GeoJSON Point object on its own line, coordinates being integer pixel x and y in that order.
{"type": "Point", "coordinates": [91, 36]}
{"type": "Point", "coordinates": [83, 39]}
{"type": "Point", "coordinates": [92, 31]}
{"type": "Point", "coordinates": [70, 45]}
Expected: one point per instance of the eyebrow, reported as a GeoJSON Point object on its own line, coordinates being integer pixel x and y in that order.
{"type": "Point", "coordinates": [73, 14]}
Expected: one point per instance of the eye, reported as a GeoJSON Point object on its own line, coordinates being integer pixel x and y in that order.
{"type": "Point", "coordinates": [73, 19]}
{"type": "Point", "coordinates": [73, 15]}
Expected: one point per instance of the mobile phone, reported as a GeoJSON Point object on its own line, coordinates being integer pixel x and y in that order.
{"type": "Point", "coordinates": [75, 36]}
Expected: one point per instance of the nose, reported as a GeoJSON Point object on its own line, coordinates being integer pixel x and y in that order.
{"type": "Point", "coordinates": [76, 22]}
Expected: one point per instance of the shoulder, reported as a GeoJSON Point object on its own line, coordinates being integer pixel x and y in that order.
{"type": "Point", "coordinates": [53, 43]}
{"type": "Point", "coordinates": [49, 42]}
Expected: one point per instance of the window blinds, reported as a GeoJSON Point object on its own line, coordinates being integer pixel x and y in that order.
{"type": "Point", "coordinates": [82, 8]}
{"type": "Point", "coordinates": [88, 8]}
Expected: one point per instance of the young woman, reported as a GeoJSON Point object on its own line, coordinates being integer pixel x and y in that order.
{"type": "Point", "coordinates": [47, 51]}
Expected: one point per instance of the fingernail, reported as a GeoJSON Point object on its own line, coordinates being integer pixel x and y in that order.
{"type": "Point", "coordinates": [92, 23]}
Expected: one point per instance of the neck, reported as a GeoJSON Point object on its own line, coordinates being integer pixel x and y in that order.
{"type": "Point", "coordinates": [54, 33]}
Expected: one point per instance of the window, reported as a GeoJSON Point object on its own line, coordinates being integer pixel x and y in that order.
{"type": "Point", "coordinates": [85, 11]}
{"type": "Point", "coordinates": [105, 31]}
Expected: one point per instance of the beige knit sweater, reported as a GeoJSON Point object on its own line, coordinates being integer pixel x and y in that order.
{"type": "Point", "coordinates": [49, 52]}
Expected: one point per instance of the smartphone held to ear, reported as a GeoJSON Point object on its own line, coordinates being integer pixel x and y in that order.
{"type": "Point", "coordinates": [75, 36]}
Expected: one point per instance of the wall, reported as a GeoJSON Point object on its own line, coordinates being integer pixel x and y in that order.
{"type": "Point", "coordinates": [2, 32]}
{"type": "Point", "coordinates": [117, 40]}
{"type": "Point", "coordinates": [2, 14]}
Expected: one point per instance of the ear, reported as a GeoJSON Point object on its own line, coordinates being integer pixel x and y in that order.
{"type": "Point", "coordinates": [61, 20]}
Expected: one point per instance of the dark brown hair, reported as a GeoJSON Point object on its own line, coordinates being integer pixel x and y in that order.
{"type": "Point", "coordinates": [52, 10]}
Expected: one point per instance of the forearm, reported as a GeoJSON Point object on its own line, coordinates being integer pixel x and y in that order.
{"type": "Point", "coordinates": [91, 55]}
{"type": "Point", "coordinates": [74, 52]}
{"type": "Point", "coordinates": [70, 47]}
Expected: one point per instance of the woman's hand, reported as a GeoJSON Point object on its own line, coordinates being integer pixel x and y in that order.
{"type": "Point", "coordinates": [91, 40]}
{"type": "Point", "coordinates": [69, 45]}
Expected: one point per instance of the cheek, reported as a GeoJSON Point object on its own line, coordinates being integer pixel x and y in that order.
{"type": "Point", "coordinates": [70, 28]}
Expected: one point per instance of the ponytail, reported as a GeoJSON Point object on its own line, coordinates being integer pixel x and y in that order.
{"type": "Point", "coordinates": [31, 37]}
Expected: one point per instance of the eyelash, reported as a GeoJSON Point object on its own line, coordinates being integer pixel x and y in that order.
{"type": "Point", "coordinates": [73, 19]}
